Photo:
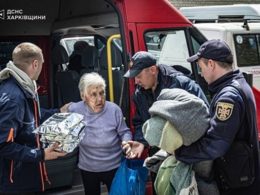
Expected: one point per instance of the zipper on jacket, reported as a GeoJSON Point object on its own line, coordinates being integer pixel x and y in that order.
{"type": "Point", "coordinates": [41, 165]}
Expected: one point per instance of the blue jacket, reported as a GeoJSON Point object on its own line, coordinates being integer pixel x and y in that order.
{"type": "Point", "coordinates": [21, 159]}
{"type": "Point", "coordinates": [168, 77]}
{"type": "Point", "coordinates": [226, 126]}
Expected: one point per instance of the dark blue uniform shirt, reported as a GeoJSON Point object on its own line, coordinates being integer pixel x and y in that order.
{"type": "Point", "coordinates": [228, 123]}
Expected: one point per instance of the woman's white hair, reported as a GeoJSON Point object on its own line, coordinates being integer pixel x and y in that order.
{"type": "Point", "coordinates": [88, 80]}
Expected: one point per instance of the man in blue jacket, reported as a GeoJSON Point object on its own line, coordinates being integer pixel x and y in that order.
{"type": "Point", "coordinates": [22, 167]}
{"type": "Point", "coordinates": [150, 79]}
{"type": "Point", "coordinates": [233, 116]}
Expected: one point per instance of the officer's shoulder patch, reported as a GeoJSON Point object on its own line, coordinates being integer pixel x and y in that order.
{"type": "Point", "coordinates": [224, 110]}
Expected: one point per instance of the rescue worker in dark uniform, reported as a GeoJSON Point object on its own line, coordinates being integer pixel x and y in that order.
{"type": "Point", "coordinates": [150, 80]}
{"type": "Point", "coordinates": [22, 169]}
{"type": "Point", "coordinates": [229, 111]}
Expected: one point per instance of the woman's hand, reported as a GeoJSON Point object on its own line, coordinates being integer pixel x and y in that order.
{"type": "Point", "coordinates": [137, 149]}
{"type": "Point", "coordinates": [126, 147]}
{"type": "Point", "coordinates": [65, 107]}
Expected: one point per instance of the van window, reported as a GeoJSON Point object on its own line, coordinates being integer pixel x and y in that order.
{"type": "Point", "coordinates": [169, 47]}
{"type": "Point", "coordinates": [247, 49]}
{"type": "Point", "coordinates": [195, 44]}
{"type": "Point", "coordinates": [68, 43]}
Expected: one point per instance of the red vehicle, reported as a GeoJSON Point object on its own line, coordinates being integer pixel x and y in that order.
{"type": "Point", "coordinates": [114, 29]}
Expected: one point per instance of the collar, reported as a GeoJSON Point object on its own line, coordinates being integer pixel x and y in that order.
{"type": "Point", "coordinates": [221, 82]}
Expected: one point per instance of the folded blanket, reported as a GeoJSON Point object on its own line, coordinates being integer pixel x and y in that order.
{"type": "Point", "coordinates": [171, 139]}
{"type": "Point", "coordinates": [162, 134]}
{"type": "Point", "coordinates": [152, 130]}
{"type": "Point", "coordinates": [186, 112]}
{"type": "Point", "coordinates": [175, 177]}
{"type": "Point", "coordinates": [154, 162]}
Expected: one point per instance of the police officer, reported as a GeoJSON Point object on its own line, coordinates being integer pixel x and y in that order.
{"type": "Point", "coordinates": [228, 111]}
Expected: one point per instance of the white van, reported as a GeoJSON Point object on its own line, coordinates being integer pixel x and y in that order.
{"type": "Point", "coordinates": [238, 25]}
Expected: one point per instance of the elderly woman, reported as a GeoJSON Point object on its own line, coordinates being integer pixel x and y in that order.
{"type": "Point", "coordinates": [100, 150]}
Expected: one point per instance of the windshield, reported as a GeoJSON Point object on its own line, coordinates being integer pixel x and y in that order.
{"type": "Point", "coordinates": [247, 49]}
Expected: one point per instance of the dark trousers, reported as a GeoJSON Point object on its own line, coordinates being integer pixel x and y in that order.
{"type": "Point", "coordinates": [92, 181]}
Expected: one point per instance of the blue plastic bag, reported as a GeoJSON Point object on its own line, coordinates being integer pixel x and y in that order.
{"type": "Point", "coordinates": [130, 178]}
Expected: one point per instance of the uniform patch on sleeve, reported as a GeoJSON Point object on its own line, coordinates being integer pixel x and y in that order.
{"type": "Point", "coordinates": [224, 110]}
